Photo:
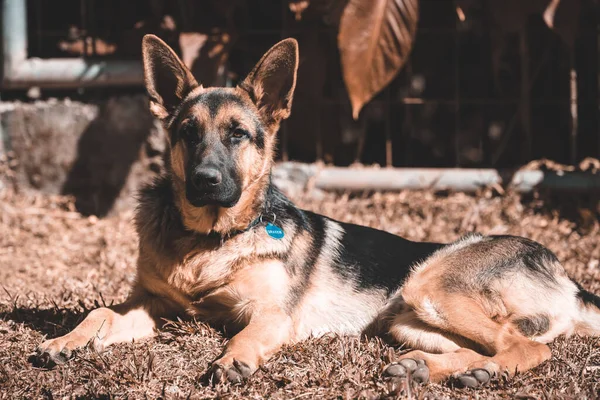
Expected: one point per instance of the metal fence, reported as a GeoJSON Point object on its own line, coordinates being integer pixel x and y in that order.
{"type": "Point", "coordinates": [447, 108]}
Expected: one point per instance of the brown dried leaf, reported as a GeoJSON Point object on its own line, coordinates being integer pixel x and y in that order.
{"type": "Point", "coordinates": [298, 7]}
{"type": "Point", "coordinates": [562, 16]}
{"type": "Point", "coordinates": [375, 39]}
{"type": "Point", "coordinates": [51, 260]}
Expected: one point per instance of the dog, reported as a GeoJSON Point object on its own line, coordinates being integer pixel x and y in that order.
{"type": "Point", "coordinates": [218, 242]}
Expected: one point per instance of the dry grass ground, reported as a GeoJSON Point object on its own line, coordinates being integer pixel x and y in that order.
{"type": "Point", "coordinates": [55, 265]}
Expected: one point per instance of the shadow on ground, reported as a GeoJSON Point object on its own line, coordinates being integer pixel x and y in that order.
{"type": "Point", "coordinates": [52, 322]}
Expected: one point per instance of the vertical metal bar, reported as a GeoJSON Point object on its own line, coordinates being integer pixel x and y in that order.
{"type": "Point", "coordinates": [574, 115]}
{"type": "Point", "coordinates": [183, 11]}
{"type": "Point", "coordinates": [92, 24]}
{"type": "Point", "coordinates": [525, 103]}
{"type": "Point", "coordinates": [361, 139]}
{"type": "Point", "coordinates": [14, 34]}
{"type": "Point", "coordinates": [84, 33]}
{"type": "Point", "coordinates": [389, 157]}
{"type": "Point", "coordinates": [38, 21]}
{"type": "Point", "coordinates": [319, 142]}
{"type": "Point", "coordinates": [409, 122]}
{"type": "Point", "coordinates": [456, 95]}
{"type": "Point", "coordinates": [319, 108]}
{"type": "Point", "coordinates": [108, 22]}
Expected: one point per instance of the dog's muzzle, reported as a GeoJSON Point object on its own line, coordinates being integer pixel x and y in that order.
{"type": "Point", "coordinates": [209, 186]}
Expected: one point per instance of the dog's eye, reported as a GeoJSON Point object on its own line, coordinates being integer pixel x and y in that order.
{"type": "Point", "coordinates": [239, 133]}
{"type": "Point", "coordinates": [187, 131]}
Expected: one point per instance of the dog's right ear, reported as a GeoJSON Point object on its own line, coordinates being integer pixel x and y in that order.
{"type": "Point", "coordinates": [168, 80]}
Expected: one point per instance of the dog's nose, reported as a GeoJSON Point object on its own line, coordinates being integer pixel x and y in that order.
{"type": "Point", "coordinates": [206, 177]}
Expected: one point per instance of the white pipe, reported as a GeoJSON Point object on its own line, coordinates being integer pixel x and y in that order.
{"type": "Point", "coordinates": [300, 176]}
{"type": "Point", "coordinates": [72, 73]}
{"type": "Point", "coordinates": [405, 178]}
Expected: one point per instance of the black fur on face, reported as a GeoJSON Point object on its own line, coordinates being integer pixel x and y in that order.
{"type": "Point", "coordinates": [215, 127]}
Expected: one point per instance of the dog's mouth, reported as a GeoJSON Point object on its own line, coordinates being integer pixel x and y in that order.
{"type": "Point", "coordinates": [221, 198]}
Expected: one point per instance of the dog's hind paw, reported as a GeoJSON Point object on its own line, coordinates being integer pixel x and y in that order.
{"type": "Point", "coordinates": [236, 373]}
{"type": "Point", "coordinates": [417, 370]}
{"type": "Point", "coordinates": [474, 378]}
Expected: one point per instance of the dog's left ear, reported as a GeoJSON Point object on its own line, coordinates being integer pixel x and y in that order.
{"type": "Point", "coordinates": [272, 81]}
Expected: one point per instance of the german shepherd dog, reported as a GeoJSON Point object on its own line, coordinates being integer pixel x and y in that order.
{"type": "Point", "coordinates": [218, 242]}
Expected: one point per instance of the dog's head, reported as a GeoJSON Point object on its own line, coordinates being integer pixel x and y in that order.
{"type": "Point", "coordinates": [222, 140]}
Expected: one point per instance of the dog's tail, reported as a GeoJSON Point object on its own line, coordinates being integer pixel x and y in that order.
{"type": "Point", "coordinates": [588, 323]}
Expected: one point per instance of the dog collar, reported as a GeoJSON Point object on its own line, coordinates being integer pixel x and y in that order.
{"type": "Point", "coordinates": [265, 216]}
{"type": "Point", "coordinates": [268, 218]}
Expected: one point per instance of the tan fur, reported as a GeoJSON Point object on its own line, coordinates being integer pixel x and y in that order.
{"type": "Point", "coordinates": [264, 335]}
{"type": "Point", "coordinates": [408, 329]}
{"type": "Point", "coordinates": [442, 317]}
{"type": "Point", "coordinates": [454, 304]}
{"type": "Point", "coordinates": [205, 269]}
{"type": "Point", "coordinates": [125, 322]}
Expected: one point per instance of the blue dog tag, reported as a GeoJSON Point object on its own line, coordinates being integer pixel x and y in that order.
{"type": "Point", "coordinates": [274, 231]}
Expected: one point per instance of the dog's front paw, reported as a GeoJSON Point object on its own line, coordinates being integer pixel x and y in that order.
{"type": "Point", "coordinates": [233, 372]}
{"type": "Point", "coordinates": [52, 352]}
{"type": "Point", "coordinates": [57, 351]}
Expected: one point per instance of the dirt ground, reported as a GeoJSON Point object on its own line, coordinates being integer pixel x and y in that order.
{"type": "Point", "coordinates": [56, 265]}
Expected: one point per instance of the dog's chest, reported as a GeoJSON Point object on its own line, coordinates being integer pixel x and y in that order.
{"type": "Point", "coordinates": [236, 266]}
{"type": "Point", "coordinates": [205, 267]}
{"type": "Point", "coordinates": [246, 289]}
{"type": "Point", "coordinates": [201, 272]}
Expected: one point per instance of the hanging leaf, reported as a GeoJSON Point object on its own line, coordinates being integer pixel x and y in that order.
{"type": "Point", "coordinates": [375, 39]}
{"type": "Point", "coordinates": [563, 17]}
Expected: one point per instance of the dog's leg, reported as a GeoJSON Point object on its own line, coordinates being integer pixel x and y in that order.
{"type": "Point", "coordinates": [408, 329]}
{"type": "Point", "coordinates": [515, 354]}
{"type": "Point", "coordinates": [421, 365]}
{"type": "Point", "coordinates": [135, 319]}
{"type": "Point", "coordinates": [464, 316]}
{"type": "Point", "coordinates": [266, 332]}
{"type": "Point", "coordinates": [458, 357]}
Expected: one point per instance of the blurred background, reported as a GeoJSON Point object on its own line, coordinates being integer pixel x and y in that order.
{"type": "Point", "coordinates": [402, 83]}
